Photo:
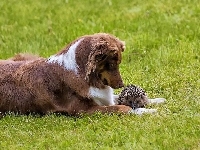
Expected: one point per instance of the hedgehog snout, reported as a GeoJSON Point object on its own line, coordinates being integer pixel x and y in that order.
{"type": "Point", "coordinates": [138, 102]}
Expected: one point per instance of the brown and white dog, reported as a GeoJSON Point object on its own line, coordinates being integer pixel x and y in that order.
{"type": "Point", "coordinates": [78, 79]}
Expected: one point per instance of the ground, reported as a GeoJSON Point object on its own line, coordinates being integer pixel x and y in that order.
{"type": "Point", "coordinates": [162, 56]}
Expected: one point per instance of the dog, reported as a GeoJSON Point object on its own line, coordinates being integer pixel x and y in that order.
{"type": "Point", "coordinates": [78, 79]}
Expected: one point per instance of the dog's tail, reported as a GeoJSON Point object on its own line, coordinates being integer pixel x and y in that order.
{"type": "Point", "coordinates": [24, 57]}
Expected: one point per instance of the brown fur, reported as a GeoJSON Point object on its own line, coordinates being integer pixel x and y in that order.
{"type": "Point", "coordinates": [35, 86]}
{"type": "Point", "coordinates": [14, 62]}
{"type": "Point", "coordinates": [20, 57]}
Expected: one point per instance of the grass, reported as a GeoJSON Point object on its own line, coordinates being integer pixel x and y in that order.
{"type": "Point", "coordinates": [162, 56]}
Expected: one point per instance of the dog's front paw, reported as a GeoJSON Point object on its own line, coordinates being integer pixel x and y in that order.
{"type": "Point", "coordinates": [140, 111]}
{"type": "Point", "coordinates": [156, 100]}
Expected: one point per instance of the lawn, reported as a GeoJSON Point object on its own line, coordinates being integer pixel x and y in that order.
{"type": "Point", "coordinates": [162, 56]}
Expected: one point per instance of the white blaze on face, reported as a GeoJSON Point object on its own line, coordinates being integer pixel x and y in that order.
{"type": "Point", "coordinates": [68, 60]}
{"type": "Point", "coordinates": [103, 97]}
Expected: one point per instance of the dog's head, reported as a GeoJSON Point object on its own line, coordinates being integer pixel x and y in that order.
{"type": "Point", "coordinates": [104, 59]}
{"type": "Point", "coordinates": [94, 57]}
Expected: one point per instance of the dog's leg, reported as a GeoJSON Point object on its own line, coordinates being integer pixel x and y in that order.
{"type": "Point", "coordinates": [140, 111]}
{"type": "Point", "coordinates": [156, 101]}
{"type": "Point", "coordinates": [121, 109]}
{"type": "Point", "coordinates": [150, 100]}
{"type": "Point", "coordinates": [110, 109]}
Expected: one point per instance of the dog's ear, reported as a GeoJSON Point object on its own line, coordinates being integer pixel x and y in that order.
{"type": "Point", "coordinates": [101, 47]}
{"type": "Point", "coordinates": [123, 45]}
{"type": "Point", "coordinates": [99, 50]}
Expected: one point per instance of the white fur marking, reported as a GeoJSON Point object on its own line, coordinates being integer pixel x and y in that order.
{"type": "Point", "coordinates": [115, 96]}
{"type": "Point", "coordinates": [68, 60]}
{"type": "Point", "coordinates": [140, 111]}
{"type": "Point", "coordinates": [103, 97]}
{"type": "Point", "coordinates": [156, 100]}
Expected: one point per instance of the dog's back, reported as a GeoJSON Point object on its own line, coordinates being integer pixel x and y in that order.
{"type": "Point", "coordinates": [10, 65]}
{"type": "Point", "coordinates": [20, 88]}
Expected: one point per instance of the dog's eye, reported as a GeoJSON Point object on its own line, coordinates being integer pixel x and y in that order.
{"type": "Point", "coordinates": [111, 65]}
{"type": "Point", "coordinates": [100, 57]}
{"type": "Point", "coordinates": [104, 57]}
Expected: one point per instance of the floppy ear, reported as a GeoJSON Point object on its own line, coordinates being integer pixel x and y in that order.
{"type": "Point", "coordinates": [123, 45]}
{"type": "Point", "coordinates": [97, 53]}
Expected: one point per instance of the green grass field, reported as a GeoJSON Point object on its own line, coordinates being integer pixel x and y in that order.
{"type": "Point", "coordinates": [162, 56]}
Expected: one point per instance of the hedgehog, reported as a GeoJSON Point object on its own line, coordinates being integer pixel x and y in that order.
{"type": "Point", "coordinates": [133, 96]}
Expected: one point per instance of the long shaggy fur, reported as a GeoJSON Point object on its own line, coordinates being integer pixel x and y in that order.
{"type": "Point", "coordinates": [78, 79]}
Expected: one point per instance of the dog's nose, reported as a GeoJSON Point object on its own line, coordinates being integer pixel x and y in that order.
{"type": "Point", "coordinates": [119, 84]}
